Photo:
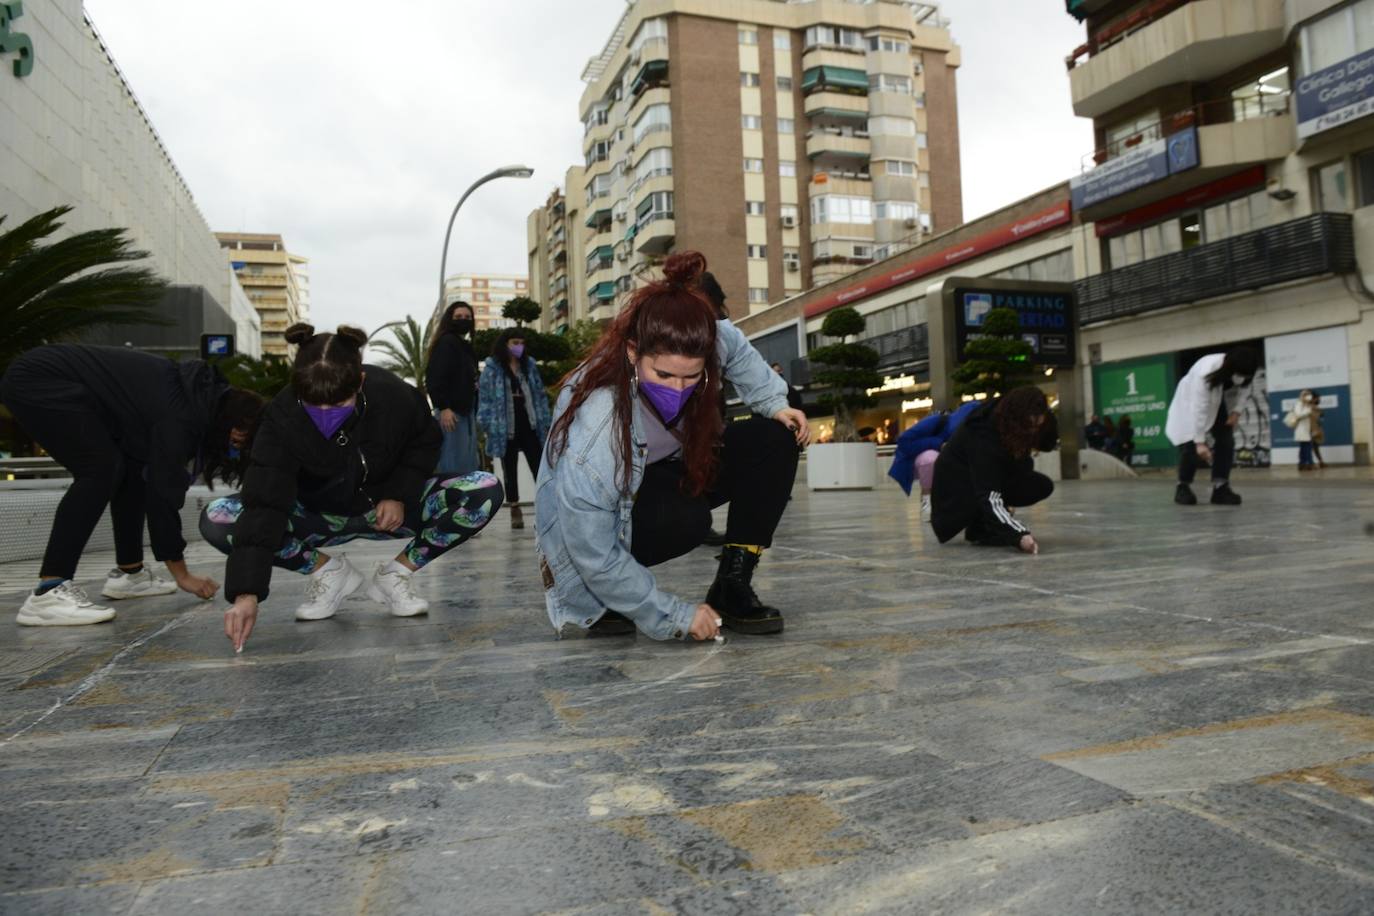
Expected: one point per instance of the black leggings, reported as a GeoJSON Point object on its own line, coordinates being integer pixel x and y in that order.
{"type": "Point", "coordinates": [1223, 452]}
{"type": "Point", "coordinates": [526, 442]}
{"type": "Point", "coordinates": [758, 463]}
{"type": "Point", "coordinates": [61, 416]}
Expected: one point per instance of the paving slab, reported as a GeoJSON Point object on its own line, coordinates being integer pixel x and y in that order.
{"type": "Point", "coordinates": [1154, 714]}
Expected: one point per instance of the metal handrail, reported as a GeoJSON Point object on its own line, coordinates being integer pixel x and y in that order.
{"type": "Point", "coordinates": [1200, 115]}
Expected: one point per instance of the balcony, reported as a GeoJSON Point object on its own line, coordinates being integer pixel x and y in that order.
{"type": "Point", "coordinates": [601, 293]}
{"type": "Point", "coordinates": [903, 347]}
{"type": "Point", "coordinates": [1323, 243]}
{"type": "Point", "coordinates": [652, 75]}
{"type": "Point", "coordinates": [837, 106]}
{"type": "Point", "coordinates": [655, 235]}
{"type": "Point", "coordinates": [831, 141]}
{"type": "Point", "coordinates": [837, 77]}
{"type": "Point", "coordinates": [1169, 42]}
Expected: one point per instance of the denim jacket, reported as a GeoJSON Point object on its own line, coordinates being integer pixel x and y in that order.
{"type": "Point", "coordinates": [495, 410]}
{"type": "Point", "coordinates": [582, 520]}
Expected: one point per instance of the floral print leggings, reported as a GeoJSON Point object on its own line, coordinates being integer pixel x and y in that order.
{"type": "Point", "coordinates": [452, 510]}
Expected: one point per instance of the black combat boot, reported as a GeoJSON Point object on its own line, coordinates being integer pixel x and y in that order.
{"type": "Point", "coordinates": [1184, 496]}
{"type": "Point", "coordinates": [733, 596]}
{"type": "Point", "coordinates": [1225, 496]}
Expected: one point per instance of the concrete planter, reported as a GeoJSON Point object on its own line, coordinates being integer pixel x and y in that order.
{"type": "Point", "coordinates": [842, 466]}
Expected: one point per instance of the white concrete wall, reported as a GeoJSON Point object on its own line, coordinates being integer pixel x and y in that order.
{"type": "Point", "coordinates": [71, 133]}
{"type": "Point", "coordinates": [247, 321]}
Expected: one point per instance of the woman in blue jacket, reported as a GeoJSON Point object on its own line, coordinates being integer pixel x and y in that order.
{"type": "Point", "coordinates": [513, 410]}
{"type": "Point", "coordinates": [637, 459]}
{"type": "Point", "coordinates": [918, 447]}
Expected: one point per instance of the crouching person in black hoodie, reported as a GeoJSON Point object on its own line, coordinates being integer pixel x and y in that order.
{"type": "Point", "coordinates": [986, 470]}
{"type": "Point", "coordinates": [345, 452]}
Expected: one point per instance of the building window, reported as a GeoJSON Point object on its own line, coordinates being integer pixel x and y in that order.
{"type": "Point", "coordinates": [1126, 135]}
{"type": "Point", "coordinates": [788, 211]}
{"type": "Point", "coordinates": [782, 41]}
{"type": "Point", "coordinates": [658, 205]}
{"type": "Point", "coordinates": [900, 167]}
{"type": "Point", "coordinates": [748, 79]}
{"type": "Point", "coordinates": [882, 82]}
{"type": "Point", "coordinates": [758, 295]}
{"type": "Point", "coordinates": [753, 165]}
{"type": "Point", "coordinates": [758, 252]}
{"type": "Point", "coordinates": [751, 122]}
{"type": "Point", "coordinates": [655, 29]}
{"type": "Point", "coordinates": [1364, 177]}
{"type": "Point", "coordinates": [892, 127]}
{"type": "Point", "coordinates": [786, 125]}
{"type": "Point", "coordinates": [1052, 268]}
{"type": "Point", "coordinates": [784, 84]}
{"type": "Point", "coordinates": [1331, 187]}
{"type": "Point", "coordinates": [919, 98]}
{"type": "Point", "coordinates": [655, 164]}
{"type": "Point", "coordinates": [1337, 36]}
{"type": "Point", "coordinates": [598, 152]}
{"type": "Point", "coordinates": [921, 140]}
{"type": "Point", "coordinates": [753, 208]}
{"type": "Point", "coordinates": [787, 168]}
{"type": "Point", "coordinates": [748, 36]}
{"type": "Point", "coordinates": [893, 45]}
{"type": "Point", "coordinates": [655, 118]}
{"type": "Point", "coordinates": [833, 208]}
{"type": "Point", "coordinates": [894, 209]}
{"type": "Point", "coordinates": [863, 252]}
{"type": "Point", "coordinates": [833, 36]}
{"type": "Point", "coordinates": [600, 186]}
{"type": "Point", "coordinates": [1256, 98]}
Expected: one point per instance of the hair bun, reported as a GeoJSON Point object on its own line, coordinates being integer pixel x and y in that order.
{"type": "Point", "coordinates": [684, 269]}
{"type": "Point", "coordinates": [356, 336]}
{"type": "Point", "coordinates": [299, 333]}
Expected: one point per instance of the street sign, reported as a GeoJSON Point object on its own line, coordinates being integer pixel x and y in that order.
{"type": "Point", "coordinates": [1046, 311]}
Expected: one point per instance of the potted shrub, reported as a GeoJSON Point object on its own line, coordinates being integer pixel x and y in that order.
{"type": "Point", "coordinates": [846, 371]}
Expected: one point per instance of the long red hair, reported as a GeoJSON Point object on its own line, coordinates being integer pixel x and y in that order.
{"type": "Point", "coordinates": [669, 317]}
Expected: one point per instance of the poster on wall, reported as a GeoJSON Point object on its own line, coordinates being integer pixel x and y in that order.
{"type": "Point", "coordinates": [1319, 360]}
{"type": "Point", "coordinates": [1140, 389]}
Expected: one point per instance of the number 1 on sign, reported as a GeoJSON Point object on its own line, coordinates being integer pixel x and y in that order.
{"type": "Point", "coordinates": [1130, 384]}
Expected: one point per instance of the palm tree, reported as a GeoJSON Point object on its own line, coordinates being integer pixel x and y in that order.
{"type": "Point", "coordinates": [51, 291]}
{"type": "Point", "coordinates": [408, 354]}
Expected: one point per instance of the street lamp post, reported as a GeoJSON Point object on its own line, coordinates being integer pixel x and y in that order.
{"type": "Point", "coordinates": [510, 171]}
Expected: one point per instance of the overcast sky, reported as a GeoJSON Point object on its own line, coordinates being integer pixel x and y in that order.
{"type": "Point", "coordinates": [352, 127]}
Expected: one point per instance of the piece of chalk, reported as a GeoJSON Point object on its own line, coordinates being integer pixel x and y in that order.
{"type": "Point", "coordinates": [720, 638]}
{"type": "Point", "coordinates": [718, 621]}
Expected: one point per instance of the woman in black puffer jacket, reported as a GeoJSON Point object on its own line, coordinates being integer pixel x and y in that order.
{"type": "Point", "coordinates": [346, 452]}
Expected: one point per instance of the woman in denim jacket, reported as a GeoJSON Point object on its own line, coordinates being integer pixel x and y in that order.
{"type": "Point", "coordinates": [513, 410]}
{"type": "Point", "coordinates": [637, 458]}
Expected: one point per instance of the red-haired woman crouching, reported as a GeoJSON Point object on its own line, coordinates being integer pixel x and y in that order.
{"type": "Point", "coordinates": [637, 458]}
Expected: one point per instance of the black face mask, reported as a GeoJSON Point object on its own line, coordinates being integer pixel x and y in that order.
{"type": "Point", "coordinates": [462, 326]}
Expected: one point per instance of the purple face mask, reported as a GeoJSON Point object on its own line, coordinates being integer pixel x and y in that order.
{"type": "Point", "coordinates": [328, 419]}
{"type": "Point", "coordinates": [668, 401]}
{"type": "Point", "coordinates": [517, 350]}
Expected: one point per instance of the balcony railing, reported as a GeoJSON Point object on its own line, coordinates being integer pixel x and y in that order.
{"type": "Point", "coordinates": [1115, 31]}
{"type": "Point", "coordinates": [1230, 110]}
{"type": "Point", "coordinates": [905, 345]}
{"type": "Point", "coordinates": [1311, 245]}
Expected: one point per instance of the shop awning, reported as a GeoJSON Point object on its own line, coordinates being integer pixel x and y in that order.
{"type": "Point", "coordinates": [601, 253]}
{"type": "Point", "coordinates": [835, 78]}
{"type": "Point", "coordinates": [599, 216]}
{"type": "Point", "coordinates": [654, 71]}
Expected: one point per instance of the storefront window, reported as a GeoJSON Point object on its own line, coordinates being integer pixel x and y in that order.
{"type": "Point", "coordinates": [1190, 225]}
{"type": "Point", "coordinates": [1330, 187]}
{"type": "Point", "coordinates": [1266, 95]}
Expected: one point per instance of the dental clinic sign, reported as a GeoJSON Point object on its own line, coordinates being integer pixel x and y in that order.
{"type": "Point", "coordinates": [1336, 95]}
{"type": "Point", "coordinates": [16, 43]}
{"type": "Point", "coordinates": [1146, 164]}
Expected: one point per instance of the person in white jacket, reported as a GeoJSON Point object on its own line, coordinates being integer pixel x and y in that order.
{"type": "Point", "coordinates": [1305, 413]}
{"type": "Point", "coordinates": [1201, 406]}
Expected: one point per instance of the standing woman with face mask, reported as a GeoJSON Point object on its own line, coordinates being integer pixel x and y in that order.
{"type": "Point", "coordinates": [1202, 405]}
{"type": "Point", "coordinates": [637, 458]}
{"type": "Point", "coordinates": [513, 411]}
{"type": "Point", "coordinates": [451, 380]}
{"type": "Point", "coordinates": [346, 452]}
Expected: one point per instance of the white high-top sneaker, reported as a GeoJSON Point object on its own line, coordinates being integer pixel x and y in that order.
{"type": "Point", "coordinates": [925, 507]}
{"type": "Point", "coordinates": [329, 586]}
{"type": "Point", "coordinates": [391, 585]}
{"type": "Point", "coordinates": [64, 606]}
{"type": "Point", "coordinates": [142, 584]}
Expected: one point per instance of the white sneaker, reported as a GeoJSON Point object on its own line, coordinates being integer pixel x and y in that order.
{"type": "Point", "coordinates": [64, 606]}
{"type": "Point", "coordinates": [142, 584]}
{"type": "Point", "coordinates": [925, 508]}
{"type": "Point", "coordinates": [329, 586]}
{"type": "Point", "coordinates": [395, 589]}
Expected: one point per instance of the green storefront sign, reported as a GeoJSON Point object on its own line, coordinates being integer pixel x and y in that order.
{"type": "Point", "coordinates": [1140, 388]}
{"type": "Point", "coordinates": [15, 42]}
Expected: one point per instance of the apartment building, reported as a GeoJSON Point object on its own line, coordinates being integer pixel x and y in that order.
{"type": "Point", "coordinates": [486, 293]}
{"type": "Point", "coordinates": [555, 237]}
{"type": "Point", "coordinates": [267, 271]}
{"type": "Point", "coordinates": [792, 143]}
{"type": "Point", "coordinates": [1230, 199]}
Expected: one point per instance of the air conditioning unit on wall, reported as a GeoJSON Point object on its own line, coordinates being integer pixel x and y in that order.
{"type": "Point", "coordinates": [912, 223]}
{"type": "Point", "coordinates": [793, 266]}
{"type": "Point", "coordinates": [789, 222]}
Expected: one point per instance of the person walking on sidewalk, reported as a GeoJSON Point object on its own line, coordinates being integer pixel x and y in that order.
{"type": "Point", "coordinates": [1199, 408]}
{"type": "Point", "coordinates": [1305, 413]}
{"type": "Point", "coordinates": [919, 446]}
{"type": "Point", "coordinates": [346, 452]}
{"type": "Point", "coordinates": [986, 470]}
{"type": "Point", "coordinates": [127, 425]}
{"type": "Point", "coordinates": [637, 459]}
{"type": "Point", "coordinates": [513, 411]}
{"type": "Point", "coordinates": [451, 380]}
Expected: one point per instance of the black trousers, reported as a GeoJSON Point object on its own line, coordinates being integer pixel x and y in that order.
{"type": "Point", "coordinates": [526, 442]}
{"type": "Point", "coordinates": [61, 416]}
{"type": "Point", "coordinates": [1223, 452]}
{"type": "Point", "coordinates": [1020, 492]}
{"type": "Point", "coordinates": [758, 463]}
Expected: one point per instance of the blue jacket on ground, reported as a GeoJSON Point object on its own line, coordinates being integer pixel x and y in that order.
{"type": "Point", "coordinates": [929, 434]}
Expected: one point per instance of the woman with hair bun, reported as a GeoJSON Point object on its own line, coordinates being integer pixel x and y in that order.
{"type": "Point", "coordinates": [346, 452]}
{"type": "Point", "coordinates": [637, 458]}
{"type": "Point", "coordinates": [986, 470]}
